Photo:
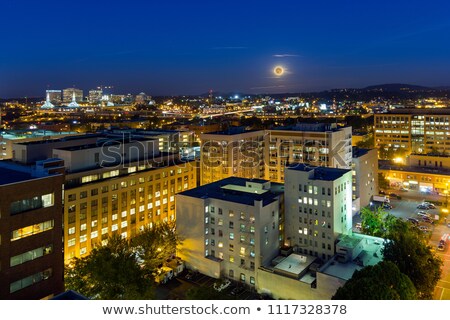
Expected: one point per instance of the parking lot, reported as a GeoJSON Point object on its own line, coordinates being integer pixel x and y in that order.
{"type": "Point", "coordinates": [176, 288]}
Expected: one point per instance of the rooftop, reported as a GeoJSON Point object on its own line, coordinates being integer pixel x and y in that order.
{"type": "Point", "coordinates": [104, 143]}
{"type": "Point", "coordinates": [311, 127]}
{"type": "Point", "coordinates": [232, 131]}
{"type": "Point", "coordinates": [387, 165]}
{"type": "Point", "coordinates": [8, 176]}
{"type": "Point", "coordinates": [320, 173]}
{"type": "Point", "coordinates": [421, 111]}
{"type": "Point", "coordinates": [236, 190]}
{"type": "Point", "coordinates": [294, 265]}
{"type": "Point", "coordinates": [359, 152]}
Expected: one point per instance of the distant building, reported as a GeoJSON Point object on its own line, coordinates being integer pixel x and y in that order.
{"type": "Point", "coordinates": [318, 208]}
{"type": "Point", "coordinates": [95, 96]}
{"type": "Point", "coordinates": [31, 250]}
{"type": "Point", "coordinates": [417, 131]}
{"type": "Point", "coordinates": [142, 98]}
{"type": "Point", "coordinates": [231, 227]}
{"type": "Point", "coordinates": [233, 152]}
{"type": "Point", "coordinates": [55, 96]}
{"type": "Point", "coordinates": [69, 93]}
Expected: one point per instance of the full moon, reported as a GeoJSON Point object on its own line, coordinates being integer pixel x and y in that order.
{"type": "Point", "coordinates": [278, 71]}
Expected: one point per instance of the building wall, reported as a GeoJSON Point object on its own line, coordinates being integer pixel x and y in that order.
{"type": "Point", "coordinates": [52, 282]}
{"type": "Point", "coordinates": [317, 216]}
{"type": "Point", "coordinates": [236, 237]}
{"type": "Point", "coordinates": [365, 177]}
{"type": "Point", "coordinates": [101, 203]}
{"type": "Point", "coordinates": [68, 95]}
{"type": "Point", "coordinates": [284, 147]}
{"type": "Point", "coordinates": [76, 160]}
{"type": "Point", "coordinates": [238, 155]}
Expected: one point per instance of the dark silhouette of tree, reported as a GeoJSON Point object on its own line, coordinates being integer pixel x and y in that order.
{"type": "Point", "coordinates": [383, 281]}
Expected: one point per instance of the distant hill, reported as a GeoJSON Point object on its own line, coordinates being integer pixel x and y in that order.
{"type": "Point", "coordinates": [396, 87]}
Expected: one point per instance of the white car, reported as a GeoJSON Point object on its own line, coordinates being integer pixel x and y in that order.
{"type": "Point", "coordinates": [221, 285]}
{"type": "Point", "coordinates": [424, 229]}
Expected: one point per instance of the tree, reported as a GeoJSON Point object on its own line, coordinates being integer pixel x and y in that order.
{"type": "Point", "coordinates": [409, 250]}
{"type": "Point", "coordinates": [367, 143]}
{"type": "Point", "coordinates": [383, 281]}
{"type": "Point", "coordinates": [376, 222]}
{"type": "Point", "coordinates": [383, 183]}
{"type": "Point", "coordinates": [110, 272]}
{"type": "Point", "coordinates": [156, 245]}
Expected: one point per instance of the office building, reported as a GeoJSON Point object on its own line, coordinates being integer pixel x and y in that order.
{"type": "Point", "coordinates": [318, 202]}
{"type": "Point", "coordinates": [316, 144]}
{"type": "Point", "coordinates": [70, 93]}
{"type": "Point", "coordinates": [230, 227]}
{"type": "Point", "coordinates": [416, 131]}
{"type": "Point", "coordinates": [55, 96]}
{"type": "Point", "coordinates": [31, 252]}
{"type": "Point", "coordinates": [364, 177]}
{"type": "Point", "coordinates": [114, 184]}
{"type": "Point", "coordinates": [95, 96]}
{"type": "Point", "coordinates": [8, 138]}
{"type": "Point", "coordinates": [234, 152]}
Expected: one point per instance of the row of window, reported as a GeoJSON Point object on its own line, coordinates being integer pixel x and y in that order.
{"type": "Point", "coordinates": [30, 280]}
{"type": "Point", "coordinates": [30, 255]}
{"type": "Point", "coordinates": [43, 201]}
{"type": "Point", "coordinates": [31, 230]}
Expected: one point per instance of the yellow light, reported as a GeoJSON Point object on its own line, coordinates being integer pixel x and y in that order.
{"type": "Point", "coordinates": [445, 210]}
{"type": "Point", "coordinates": [398, 160]}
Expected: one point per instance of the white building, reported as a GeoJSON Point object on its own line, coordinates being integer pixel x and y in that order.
{"type": "Point", "coordinates": [230, 227]}
{"type": "Point", "coordinates": [318, 208]}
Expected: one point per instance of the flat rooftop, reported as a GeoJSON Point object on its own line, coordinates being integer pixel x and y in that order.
{"type": "Point", "coordinates": [359, 152]}
{"type": "Point", "coordinates": [386, 165]}
{"type": "Point", "coordinates": [310, 127]}
{"type": "Point", "coordinates": [320, 173]}
{"type": "Point", "coordinates": [8, 176]}
{"type": "Point", "coordinates": [105, 143]}
{"type": "Point", "coordinates": [68, 138]}
{"type": "Point", "coordinates": [232, 131]}
{"type": "Point", "coordinates": [234, 189]}
{"type": "Point", "coordinates": [294, 264]}
{"type": "Point", "coordinates": [421, 111]}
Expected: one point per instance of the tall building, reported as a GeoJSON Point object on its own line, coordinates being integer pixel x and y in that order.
{"type": "Point", "coordinates": [417, 131]}
{"type": "Point", "coordinates": [231, 227]}
{"type": "Point", "coordinates": [317, 144]}
{"type": "Point", "coordinates": [234, 152]}
{"type": "Point", "coordinates": [55, 96]}
{"type": "Point", "coordinates": [95, 96]}
{"type": "Point", "coordinates": [364, 176]}
{"type": "Point", "coordinates": [114, 184]}
{"type": "Point", "coordinates": [31, 251]}
{"type": "Point", "coordinates": [69, 93]}
{"type": "Point", "coordinates": [318, 208]}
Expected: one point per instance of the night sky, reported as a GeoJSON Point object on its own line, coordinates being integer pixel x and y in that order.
{"type": "Point", "coordinates": [189, 47]}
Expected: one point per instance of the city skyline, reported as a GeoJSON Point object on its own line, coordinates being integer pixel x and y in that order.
{"type": "Point", "coordinates": [187, 49]}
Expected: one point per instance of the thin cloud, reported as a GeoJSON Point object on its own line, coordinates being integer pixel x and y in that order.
{"type": "Point", "coordinates": [285, 55]}
{"type": "Point", "coordinates": [228, 48]}
{"type": "Point", "coordinates": [268, 87]}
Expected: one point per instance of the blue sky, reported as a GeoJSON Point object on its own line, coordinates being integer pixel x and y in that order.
{"type": "Point", "coordinates": [189, 47]}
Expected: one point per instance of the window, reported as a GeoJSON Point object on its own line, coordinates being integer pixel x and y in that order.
{"type": "Point", "coordinates": [231, 236]}
{"type": "Point", "coordinates": [30, 255]}
{"type": "Point", "coordinates": [30, 280]}
{"type": "Point", "coordinates": [31, 230]}
{"type": "Point", "coordinates": [34, 203]}
{"type": "Point", "coordinates": [242, 277]}
{"type": "Point", "coordinates": [72, 230]}
{"type": "Point", "coordinates": [252, 280]}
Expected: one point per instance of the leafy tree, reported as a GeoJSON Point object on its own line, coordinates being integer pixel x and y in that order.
{"type": "Point", "coordinates": [384, 281]}
{"type": "Point", "coordinates": [367, 143]}
{"type": "Point", "coordinates": [383, 183]}
{"type": "Point", "coordinates": [109, 272]}
{"type": "Point", "coordinates": [156, 245]}
{"type": "Point", "coordinates": [409, 250]}
{"type": "Point", "coordinates": [375, 222]}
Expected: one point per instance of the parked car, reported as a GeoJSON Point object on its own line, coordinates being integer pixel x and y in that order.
{"type": "Point", "coordinates": [382, 192]}
{"type": "Point", "coordinates": [387, 206]}
{"type": "Point", "coordinates": [413, 221]}
{"type": "Point", "coordinates": [221, 285]}
{"type": "Point", "coordinates": [394, 195]}
{"type": "Point", "coordinates": [422, 207]}
{"type": "Point", "coordinates": [429, 205]}
{"type": "Point", "coordinates": [424, 214]}
{"type": "Point", "coordinates": [237, 290]}
{"type": "Point", "coordinates": [404, 189]}
{"type": "Point", "coordinates": [424, 229]}
{"type": "Point", "coordinates": [428, 220]}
